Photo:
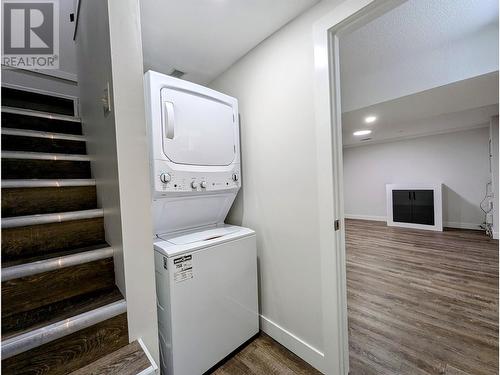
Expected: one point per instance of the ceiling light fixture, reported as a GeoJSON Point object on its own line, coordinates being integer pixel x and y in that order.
{"type": "Point", "coordinates": [370, 119]}
{"type": "Point", "coordinates": [361, 132]}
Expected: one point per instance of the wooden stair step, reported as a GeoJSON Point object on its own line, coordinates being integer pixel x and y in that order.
{"type": "Point", "coordinates": [41, 240]}
{"type": "Point", "coordinates": [71, 352]}
{"type": "Point", "coordinates": [52, 255]}
{"type": "Point", "coordinates": [45, 169]}
{"type": "Point", "coordinates": [129, 360]}
{"type": "Point", "coordinates": [12, 118]}
{"type": "Point", "coordinates": [31, 201]}
{"type": "Point", "coordinates": [39, 144]}
{"type": "Point", "coordinates": [38, 291]}
{"type": "Point", "coordinates": [17, 324]}
{"type": "Point", "coordinates": [38, 102]}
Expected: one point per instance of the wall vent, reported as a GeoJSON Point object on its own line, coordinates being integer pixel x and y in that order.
{"type": "Point", "coordinates": [176, 73]}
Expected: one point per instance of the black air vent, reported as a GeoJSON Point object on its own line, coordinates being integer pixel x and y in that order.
{"type": "Point", "coordinates": [176, 73]}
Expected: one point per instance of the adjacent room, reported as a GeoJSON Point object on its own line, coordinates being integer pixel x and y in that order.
{"type": "Point", "coordinates": [419, 94]}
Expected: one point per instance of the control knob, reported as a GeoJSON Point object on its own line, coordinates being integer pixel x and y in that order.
{"type": "Point", "coordinates": [194, 184]}
{"type": "Point", "coordinates": [165, 177]}
{"type": "Point", "coordinates": [235, 177]}
{"type": "Point", "coordinates": [203, 184]}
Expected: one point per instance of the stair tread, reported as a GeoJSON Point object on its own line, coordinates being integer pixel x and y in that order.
{"type": "Point", "coordinates": [129, 360]}
{"type": "Point", "coordinates": [58, 254]}
{"type": "Point", "coordinates": [15, 119]}
{"type": "Point", "coordinates": [80, 305]}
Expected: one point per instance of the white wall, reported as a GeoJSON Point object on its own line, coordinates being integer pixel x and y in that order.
{"type": "Point", "coordinates": [494, 172]}
{"type": "Point", "coordinates": [65, 79]}
{"type": "Point", "coordinates": [117, 145]}
{"type": "Point", "coordinates": [458, 160]}
{"type": "Point", "coordinates": [274, 86]}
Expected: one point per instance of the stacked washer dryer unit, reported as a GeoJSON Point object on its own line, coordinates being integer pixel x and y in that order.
{"type": "Point", "coordinates": [206, 271]}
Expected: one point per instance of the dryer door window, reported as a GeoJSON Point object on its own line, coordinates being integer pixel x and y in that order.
{"type": "Point", "coordinates": [196, 129]}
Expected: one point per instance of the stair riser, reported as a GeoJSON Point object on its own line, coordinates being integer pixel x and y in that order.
{"type": "Point", "coordinates": [38, 102]}
{"type": "Point", "coordinates": [71, 352]}
{"type": "Point", "coordinates": [44, 169]}
{"type": "Point", "coordinates": [17, 121]}
{"type": "Point", "coordinates": [37, 240]}
{"type": "Point", "coordinates": [58, 311]}
{"type": "Point", "coordinates": [37, 144]}
{"type": "Point", "coordinates": [31, 201]}
{"type": "Point", "coordinates": [32, 292]}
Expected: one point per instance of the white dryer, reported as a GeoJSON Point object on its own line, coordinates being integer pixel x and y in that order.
{"type": "Point", "coordinates": [206, 271]}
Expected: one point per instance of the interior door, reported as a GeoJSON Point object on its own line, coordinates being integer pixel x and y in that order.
{"type": "Point", "coordinates": [196, 129]}
{"type": "Point", "coordinates": [402, 206]}
{"type": "Point", "coordinates": [423, 207]}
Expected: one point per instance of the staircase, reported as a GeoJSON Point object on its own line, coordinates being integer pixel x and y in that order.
{"type": "Point", "coordinates": [61, 311]}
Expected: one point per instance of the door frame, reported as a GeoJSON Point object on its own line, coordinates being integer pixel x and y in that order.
{"type": "Point", "coordinates": [348, 16]}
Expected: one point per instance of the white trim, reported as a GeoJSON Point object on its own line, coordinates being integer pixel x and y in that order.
{"type": "Point", "coordinates": [23, 221]}
{"type": "Point", "coordinates": [42, 134]}
{"type": "Point", "coordinates": [415, 136]}
{"type": "Point", "coordinates": [307, 352]}
{"type": "Point", "coordinates": [438, 205]}
{"type": "Point", "coordinates": [495, 235]}
{"type": "Point", "coordinates": [154, 367]}
{"type": "Point", "coordinates": [43, 156]}
{"type": "Point", "coordinates": [52, 264]}
{"type": "Point", "coordinates": [458, 225]}
{"type": "Point", "coordinates": [35, 183]}
{"type": "Point", "coordinates": [48, 115]}
{"type": "Point", "coordinates": [329, 168]}
{"type": "Point", "coordinates": [366, 217]}
{"type": "Point", "coordinates": [52, 73]}
{"type": "Point", "coordinates": [32, 339]}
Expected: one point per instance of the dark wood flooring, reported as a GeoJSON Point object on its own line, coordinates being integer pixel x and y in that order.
{"type": "Point", "coordinates": [264, 356]}
{"type": "Point", "coordinates": [421, 302]}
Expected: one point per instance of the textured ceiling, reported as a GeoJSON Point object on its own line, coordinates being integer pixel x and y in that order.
{"type": "Point", "coordinates": [203, 38]}
{"type": "Point", "coordinates": [416, 46]}
{"type": "Point", "coordinates": [415, 27]}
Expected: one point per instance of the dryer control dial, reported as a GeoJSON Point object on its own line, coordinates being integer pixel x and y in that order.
{"type": "Point", "coordinates": [165, 177]}
{"type": "Point", "coordinates": [203, 184]}
{"type": "Point", "coordinates": [235, 177]}
{"type": "Point", "coordinates": [194, 184]}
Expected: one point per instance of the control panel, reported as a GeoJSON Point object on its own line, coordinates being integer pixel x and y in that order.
{"type": "Point", "coordinates": [184, 182]}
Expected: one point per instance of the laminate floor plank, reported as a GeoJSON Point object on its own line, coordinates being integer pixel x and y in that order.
{"type": "Point", "coordinates": [421, 302]}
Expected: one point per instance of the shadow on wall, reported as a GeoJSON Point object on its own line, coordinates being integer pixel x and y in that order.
{"type": "Point", "coordinates": [235, 215]}
{"type": "Point", "coordinates": [454, 205]}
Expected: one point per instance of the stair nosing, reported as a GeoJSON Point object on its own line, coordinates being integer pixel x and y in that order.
{"type": "Point", "coordinates": [34, 113]}
{"type": "Point", "coordinates": [43, 156]}
{"type": "Point", "coordinates": [58, 217]}
{"type": "Point", "coordinates": [34, 183]}
{"type": "Point", "coordinates": [43, 335]}
{"type": "Point", "coordinates": [52, 264]}
{"type": "Point", "coordinates": [42, 134]}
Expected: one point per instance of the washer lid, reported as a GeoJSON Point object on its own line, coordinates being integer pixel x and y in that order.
{"type": "Point", "coordinates": [176, 244]}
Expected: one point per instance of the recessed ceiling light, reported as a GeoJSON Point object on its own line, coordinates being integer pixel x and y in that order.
{"type": "Point", "coordinates": [370, 119]}
{"type": "Point", "coordinates": [361, 132]}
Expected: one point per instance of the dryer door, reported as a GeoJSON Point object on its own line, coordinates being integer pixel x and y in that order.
{"type": "Point", "coordinates": [197, 129]}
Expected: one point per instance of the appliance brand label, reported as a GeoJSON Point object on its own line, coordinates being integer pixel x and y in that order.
{"type": "Point", "coordinates": [183, 268]}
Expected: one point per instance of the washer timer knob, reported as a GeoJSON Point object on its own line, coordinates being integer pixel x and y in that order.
{"type": "Point", "coordinates": [194, 184]}
{"type": "Point", "coordinates": [165, 177]}
{"type": "Point", "coordinates": [235, 177]}
{"type": "Point", "coordinates": [203, 184]}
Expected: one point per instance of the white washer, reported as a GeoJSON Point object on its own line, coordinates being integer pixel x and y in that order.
{"type": "Point", "coordinates": [206, 271]}
{"type": "Point", "coordinates": [206, 286]}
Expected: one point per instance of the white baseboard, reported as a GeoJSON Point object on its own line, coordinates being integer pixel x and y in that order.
{"type": "Point", "coordinates": [495, 235]}
{"type": "Point", "coordinates": [293, 343]}
{"type": "Point", "coordinates": [455, 224]}
{"type": "Point", "coordinates": [365, 217]}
